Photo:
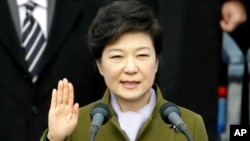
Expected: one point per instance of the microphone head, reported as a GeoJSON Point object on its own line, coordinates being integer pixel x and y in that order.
{"type": "Point", "coordinates": [102, 109]}
{"type": "Point", "coordinates": [168, 108]}
{"type": "Point", "coordinates": [170, 113]}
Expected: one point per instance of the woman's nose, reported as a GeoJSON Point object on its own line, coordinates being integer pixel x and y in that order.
{"type": "Point", "coordinates": [130, 66]}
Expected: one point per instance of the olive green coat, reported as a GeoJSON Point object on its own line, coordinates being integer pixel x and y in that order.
{"type": "Point", "coordinates": [154, 129]}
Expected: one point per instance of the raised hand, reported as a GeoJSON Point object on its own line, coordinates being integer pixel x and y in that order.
{"type": "Point", "coordinates": [63, 113]}
{"type": "Point", "coordinates": [233, 14]}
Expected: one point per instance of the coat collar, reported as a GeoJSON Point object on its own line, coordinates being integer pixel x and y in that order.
{"type": "Point", "coordinates": [155, 114]}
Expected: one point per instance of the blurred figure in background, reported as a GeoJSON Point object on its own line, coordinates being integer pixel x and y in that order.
{"type": "Point", "coordinates": [241, 36]}
{"type": "Point", "coordinates": [26, 89]}
{"type": "Point", "coordinates": [237, 70]}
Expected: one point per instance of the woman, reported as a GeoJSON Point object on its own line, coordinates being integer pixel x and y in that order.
{"type": "Point", "coordinates": [125, 39]}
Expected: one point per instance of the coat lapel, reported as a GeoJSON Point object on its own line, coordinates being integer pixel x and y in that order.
{"type": "Point", "coordinates": [9, 37]}
{"type": "Point", "coordinates": [66, 12]}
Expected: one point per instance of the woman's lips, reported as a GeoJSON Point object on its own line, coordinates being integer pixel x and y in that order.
{"type": "Point", "coordinates": [130, 84]}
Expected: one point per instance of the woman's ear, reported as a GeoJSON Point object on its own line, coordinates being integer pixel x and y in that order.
{"type": "Point", "coordinates": [99, 66]}
{"type": "Point", "coordinates": [156, 65]}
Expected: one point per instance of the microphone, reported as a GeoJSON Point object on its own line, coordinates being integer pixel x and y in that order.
{"type": "Point", "coordinates": [99, 116]}
{"type": "Point", "coordinates": [170, 114]}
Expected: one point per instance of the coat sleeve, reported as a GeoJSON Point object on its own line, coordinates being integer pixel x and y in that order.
{"type": "Point", "coordinates": [44, 136]}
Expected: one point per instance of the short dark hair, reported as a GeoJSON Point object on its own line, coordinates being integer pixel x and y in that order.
{"type": "Point", "coordinates": [120, 17]}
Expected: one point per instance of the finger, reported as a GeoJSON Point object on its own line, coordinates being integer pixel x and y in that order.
{"type": "Point", "coordinates": [53, 99]}
{"type": "Point", "coordinates": [229, 27]}
{"type": "Point", "coordinates": [75, 111]}
{"type": "Point", "coordinates": [65, 94]}
{"type": "Point", "coordinates": [59, 92]}
{"type": "Point", "coordinates": [225, 26]}
{"type": "Point", "coordinates": [71, 94]}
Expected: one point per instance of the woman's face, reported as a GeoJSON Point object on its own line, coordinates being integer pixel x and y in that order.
{"type": "Point", "coordinates": [129, 66]}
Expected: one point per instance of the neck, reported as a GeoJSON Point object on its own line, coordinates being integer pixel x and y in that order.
{"type": "Point", "coordinates": [133, 104]}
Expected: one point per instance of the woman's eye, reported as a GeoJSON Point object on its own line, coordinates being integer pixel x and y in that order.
{"type": "Point", "coordinates": [143, 55]}
{"type": "Point", "coordinates": [116, 56]}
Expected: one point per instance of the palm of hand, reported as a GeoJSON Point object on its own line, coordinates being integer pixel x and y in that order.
{"type": "Point", "coordinates": [63, 114]}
